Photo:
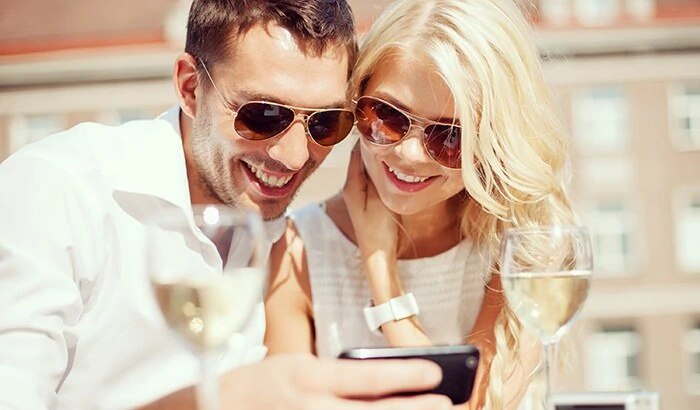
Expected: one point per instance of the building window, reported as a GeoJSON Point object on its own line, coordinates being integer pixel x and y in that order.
{"type": "Point", "coordinates": [613, 359]}
{"type": "Point", "coordinates": [688, 230]}
{"type": "Point", "coordinates": [611, 228]}
{"type": "Point", "coordinates": [597, 12]}
{"type": "Point", "coordinates": [686, 117]}
{"type": "Point", "coordinates": [601, 120]}
{"type": "Point", "coordinates": [692, 347]}
{"type": "Point", "coordinates": [555, 12]}
{"type": "Point", "coordinates": [28, 128]}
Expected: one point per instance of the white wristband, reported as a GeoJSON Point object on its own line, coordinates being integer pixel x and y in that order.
{"type": "Point", "coordinates": [398, 308]}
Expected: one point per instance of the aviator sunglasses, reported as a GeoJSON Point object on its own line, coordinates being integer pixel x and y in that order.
{"type": "Point", "coordinates": [262, 120]}
{"type": "Point", "coordinates": [382, 123]}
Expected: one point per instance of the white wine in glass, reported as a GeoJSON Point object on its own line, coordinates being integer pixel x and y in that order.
{"type": "Point", "coordinates": [208, 274]}
{"type": "Point", "coordinates": [546, 274]}
{"type": "Point", "coordinates": [547, 302]}
{"type": "Point", "coordinates": [207, 310]}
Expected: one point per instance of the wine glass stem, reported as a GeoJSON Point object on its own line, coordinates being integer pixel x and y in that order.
{"type": "Point", "coordinates": [550, 361]}
{"type": "Point", "coordinates": [208, 387]}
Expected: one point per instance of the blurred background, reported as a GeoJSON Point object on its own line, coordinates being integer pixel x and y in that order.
{"type": "Point", "coordinates": [627, 75]}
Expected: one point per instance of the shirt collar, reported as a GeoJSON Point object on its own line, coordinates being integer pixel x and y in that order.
{"type": "Point", "coordinates": [154, 165]}
{"type": "Point", "coordinates": [274, 229]}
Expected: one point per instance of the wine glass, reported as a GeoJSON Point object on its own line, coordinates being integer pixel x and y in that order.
{"type": "Point", "coordinates": [208, 274]}
{"type": "Point", "coordinates": [546, 273]}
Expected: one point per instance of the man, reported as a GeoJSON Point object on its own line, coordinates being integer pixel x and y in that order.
{"type": "Point", "coordinates": [78, 327]}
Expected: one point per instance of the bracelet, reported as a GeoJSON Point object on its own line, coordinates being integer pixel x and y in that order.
{"type": "Point", "coordinates": [395, 309]}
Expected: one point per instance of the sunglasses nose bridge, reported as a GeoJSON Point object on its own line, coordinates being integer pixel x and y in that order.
{"type": "Point", "coordinates": [414, 125]}
{"type": "Point", "coordinates": [301, 116]}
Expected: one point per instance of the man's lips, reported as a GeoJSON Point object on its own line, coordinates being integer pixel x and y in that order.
{"type": "Point", "coordinates": [270, 183]}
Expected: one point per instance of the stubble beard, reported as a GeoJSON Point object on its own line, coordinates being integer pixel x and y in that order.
{"type": "Point", "coordinates": [213, 164]}
{"type": "Point", "coordinates": [213, 171]}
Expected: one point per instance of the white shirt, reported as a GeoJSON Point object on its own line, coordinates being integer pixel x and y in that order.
{"type": "Point", "coordinates": [449, 287]}
{"type": "Point", "coordinates": [79, 328]}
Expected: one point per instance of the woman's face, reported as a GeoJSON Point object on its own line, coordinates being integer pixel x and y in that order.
{"type": "Point", "coordinates": [407, 179]}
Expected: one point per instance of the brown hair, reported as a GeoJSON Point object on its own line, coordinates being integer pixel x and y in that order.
{"type": "Point", "coordinates": [317, 25]}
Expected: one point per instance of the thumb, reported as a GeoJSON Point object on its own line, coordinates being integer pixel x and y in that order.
{"type": "Point", "coordinates": [355, 180]}
{"type": "Point", "coordinates": [355, 165]}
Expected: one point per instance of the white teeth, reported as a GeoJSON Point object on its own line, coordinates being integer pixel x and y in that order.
{"type": "Point", "coordinates": [407, 178]}
{"type": "Point", "coordinates": [269, 180]}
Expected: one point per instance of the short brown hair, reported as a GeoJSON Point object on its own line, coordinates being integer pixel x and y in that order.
{"type": "Point", "coordinates": [317, 25]}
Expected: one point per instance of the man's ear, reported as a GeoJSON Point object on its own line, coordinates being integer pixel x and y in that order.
{"type": "Point", "coordinates": [186, 81]}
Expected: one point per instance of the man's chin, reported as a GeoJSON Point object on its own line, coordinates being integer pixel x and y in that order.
{"type": "Point", "coordinates": [269, 209]}
{"type": "Point", "coordinates": [274, 211]}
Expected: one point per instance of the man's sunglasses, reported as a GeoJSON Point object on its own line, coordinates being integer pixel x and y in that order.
{"type": "Point", "coordinates": [262, 120]}
{"type": "Point", "coordinates": [382, 123]}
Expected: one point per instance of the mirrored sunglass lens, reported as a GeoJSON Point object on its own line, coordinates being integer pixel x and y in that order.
{"type": "Point", "coordinates": [443, 144]}
{"type": "Point", "coordinates": [259, 121]}
{"type": "Point", "coordinates": [379, 122]}
{"type": "Point", "coordinates": [330, 127]}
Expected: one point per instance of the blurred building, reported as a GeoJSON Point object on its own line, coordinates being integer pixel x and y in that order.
{"type": "Point", "coordinates": [628, 78]}
{"type": "Point", "coordinates": [627, 73]}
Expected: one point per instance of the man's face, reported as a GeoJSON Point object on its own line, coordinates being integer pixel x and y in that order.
{"type": "Point", "coordinates": [267, 66]}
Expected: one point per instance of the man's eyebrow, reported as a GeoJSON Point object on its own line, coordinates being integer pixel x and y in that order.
{"type": "Point", "coordinates": [240, 97]}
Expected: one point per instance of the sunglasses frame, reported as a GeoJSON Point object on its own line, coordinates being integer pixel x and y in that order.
{"type": "Point", "coordinates": [413, 121]}
{"type": "Point", "coordinates": [299, 113]}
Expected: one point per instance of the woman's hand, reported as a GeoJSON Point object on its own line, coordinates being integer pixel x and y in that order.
{"type": "Point", "coordinates": [377, 235]}
{"type": "Point", "coordinates": [374, 225]}
{"type": "Point", "coordinates": [376, 231]}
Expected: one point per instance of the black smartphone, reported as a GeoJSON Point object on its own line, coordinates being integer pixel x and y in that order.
{"type": "Point", "coordinates": [458, 363]}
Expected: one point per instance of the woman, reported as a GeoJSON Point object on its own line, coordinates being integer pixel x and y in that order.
{"type": "Point", "coordinates": [460, 140]}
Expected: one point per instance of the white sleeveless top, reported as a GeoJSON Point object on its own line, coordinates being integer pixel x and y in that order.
{"type": "Point", "coordinates": [448, 287]}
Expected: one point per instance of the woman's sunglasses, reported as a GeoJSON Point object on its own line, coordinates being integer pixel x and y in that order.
{"type": "Point", "coordinates": [382, 123]}
{"type": "Point", "coordinates": [262, 120]}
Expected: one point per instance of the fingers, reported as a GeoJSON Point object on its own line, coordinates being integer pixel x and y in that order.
{"type": "Point", "coordinates": [424, 402]}
{"type": "Point", "coordinates": [355, 167]}
{"type": "Point", "coordinates": [355, 189]}
{"type": "Point", "coordinates": [376, 378]}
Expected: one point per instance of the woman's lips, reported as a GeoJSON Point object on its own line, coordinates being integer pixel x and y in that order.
{"type": "Point", "coordinates": [410, 187]}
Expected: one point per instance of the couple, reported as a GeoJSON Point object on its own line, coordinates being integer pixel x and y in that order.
{"type": "Point", "coordinates": [459, 141]}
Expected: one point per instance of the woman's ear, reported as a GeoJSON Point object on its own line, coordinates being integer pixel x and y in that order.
{"type": "Point", "coordinates": [186, 81]}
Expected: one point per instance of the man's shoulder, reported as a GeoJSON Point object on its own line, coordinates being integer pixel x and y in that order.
{"type": "Point", "coordinates": [85, 147]}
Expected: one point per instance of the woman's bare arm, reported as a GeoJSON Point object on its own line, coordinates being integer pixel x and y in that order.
{"type": "Point", "coordinates": [528, 356]}
{"type": "Point", "coordinates": [288, 304]}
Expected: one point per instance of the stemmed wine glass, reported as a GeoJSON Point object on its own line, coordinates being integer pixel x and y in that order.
{"type": "Point", "coordinates": [546, 273]}
{"type": "Point", "coordinates": [208, 273]}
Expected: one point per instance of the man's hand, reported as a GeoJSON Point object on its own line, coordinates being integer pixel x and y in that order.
{"type": "Point", "coordinates": [303, 382]}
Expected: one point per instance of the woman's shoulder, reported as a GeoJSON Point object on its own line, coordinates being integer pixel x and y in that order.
{"type": "Point", "coordinates": [325, 220]}
{"type": "Point", "coordinates": [337, 212]}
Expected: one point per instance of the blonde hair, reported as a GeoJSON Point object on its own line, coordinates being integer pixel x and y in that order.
{"type": "Point", "coordinates": [511, 129]}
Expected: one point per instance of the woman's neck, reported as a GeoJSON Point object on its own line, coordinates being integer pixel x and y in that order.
{"type": "Point", "coordinates": [428, 233]}
{"type": "Point", "coordinates": [431, 231]}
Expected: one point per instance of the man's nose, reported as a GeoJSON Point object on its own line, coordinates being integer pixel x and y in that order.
{"type": "Point", "coordinates": [291, 149]}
